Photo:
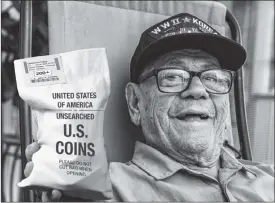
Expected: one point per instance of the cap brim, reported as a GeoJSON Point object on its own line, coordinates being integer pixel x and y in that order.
{"type": "Point", "coordinates": [229, 53]}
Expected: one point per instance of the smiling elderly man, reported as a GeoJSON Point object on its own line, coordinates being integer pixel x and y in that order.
{"type": "Point", "coordinates": [181, 74]}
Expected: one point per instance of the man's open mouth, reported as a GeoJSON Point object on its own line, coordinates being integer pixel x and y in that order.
{"type": "Point", "coordinates": [193, 117]}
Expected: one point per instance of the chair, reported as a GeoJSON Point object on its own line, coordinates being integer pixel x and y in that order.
{"type": "Point", "coordinates": [117, 25]}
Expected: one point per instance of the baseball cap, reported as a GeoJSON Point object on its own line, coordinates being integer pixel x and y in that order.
{"type": "Point", "coordinates": [185, 31]}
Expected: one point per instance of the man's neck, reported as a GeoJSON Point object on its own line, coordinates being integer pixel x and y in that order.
{"type": "Point", "coordinates": [207, 162]}
{"type": "Point", "coordinates": [210, 171]}
{"type": "Point", "coordinates": [210, 168]}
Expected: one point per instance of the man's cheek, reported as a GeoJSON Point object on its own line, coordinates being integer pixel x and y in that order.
{"type": "Point", "coordinates": [148, 99]}
{"type": "Point", "coordinates": [221, 105]}
{"type": "Point", "coordinates": [159, 108]}
{"type": "Point", "coordinates": [159, 101]}
{"type": "Point", "coordinates": [162, 104]}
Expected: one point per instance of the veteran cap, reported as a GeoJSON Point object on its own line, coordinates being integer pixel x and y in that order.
{"type": "Point", "coordinates": [185, 31]}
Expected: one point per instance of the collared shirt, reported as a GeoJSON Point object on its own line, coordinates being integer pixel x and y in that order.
{"type": "Point", "coordinates": [153, 176]}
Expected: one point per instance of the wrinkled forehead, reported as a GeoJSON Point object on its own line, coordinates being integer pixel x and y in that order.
{"type": "Point", "coordinates": [188, 59]}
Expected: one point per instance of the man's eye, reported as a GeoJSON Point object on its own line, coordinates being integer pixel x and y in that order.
{"type": "Point", "coordinates": [171, 81]}
{"type": "Point", "coordinates": [210, 79]}
{"type": "Point", "coordinates": [172, 77]}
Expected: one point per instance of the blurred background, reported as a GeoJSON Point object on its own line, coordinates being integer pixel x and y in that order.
{"type": "Point", "coordinates": [256, 19]}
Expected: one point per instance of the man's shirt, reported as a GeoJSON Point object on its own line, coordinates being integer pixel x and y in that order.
{"type": "Point", "coordinates": [153, 176]}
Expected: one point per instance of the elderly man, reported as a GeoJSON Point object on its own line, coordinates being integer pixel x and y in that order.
{"type": "Point", "coordinates": [181, 74]}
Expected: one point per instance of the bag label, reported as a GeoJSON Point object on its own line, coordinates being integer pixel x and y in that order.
{"type": "Point", "coordinates": [75, 108]}
{"type": "Point", "coordinates": [44, 70]}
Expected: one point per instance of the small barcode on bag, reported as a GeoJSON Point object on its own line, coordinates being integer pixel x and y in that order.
{"type": "Point", "coordinates": [44, 79]}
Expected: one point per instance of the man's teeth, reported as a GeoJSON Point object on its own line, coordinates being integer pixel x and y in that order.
{"type": "Point", "coordinates": [203, 116]}
{"type": "Point", "coordinates": [193, 117]}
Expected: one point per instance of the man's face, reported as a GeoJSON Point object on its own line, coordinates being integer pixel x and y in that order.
{"type": "Point", "coordinates": [185, 125]}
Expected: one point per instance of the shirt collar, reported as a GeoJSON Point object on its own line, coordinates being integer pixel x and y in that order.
{"type": "Point", "coordinates": [229, 161]}
{"type": "Point", "coordinates": [153, 162]}
{"type": "Point", "coordinates": [161, 166]}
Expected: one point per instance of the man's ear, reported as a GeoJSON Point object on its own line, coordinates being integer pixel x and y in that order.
{"type": "Point", "coordinates": [132, 94]}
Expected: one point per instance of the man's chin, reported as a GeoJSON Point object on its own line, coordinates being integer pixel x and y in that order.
{"type": "Point", "coordinates": [193, 147]}
{"type": "Point", "coordinates": [195, 141]}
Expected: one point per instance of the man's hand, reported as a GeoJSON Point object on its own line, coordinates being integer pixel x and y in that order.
{"type": "Point", "coordinates": [49, 196]}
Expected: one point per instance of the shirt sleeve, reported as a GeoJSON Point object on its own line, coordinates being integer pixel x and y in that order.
{"type": "Point", "coordinates": [268, 168]}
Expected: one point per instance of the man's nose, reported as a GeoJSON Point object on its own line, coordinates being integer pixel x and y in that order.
{"type": "Point", "coordinates": [196, 90]}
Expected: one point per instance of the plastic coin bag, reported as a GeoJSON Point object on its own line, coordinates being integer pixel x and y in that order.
{"type": "Point", "coordinates": [68, 94]}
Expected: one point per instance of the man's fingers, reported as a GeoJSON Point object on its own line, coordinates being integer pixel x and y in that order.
{"type": "Point", "coordinates": [46, 197]}
{"type": "Point", "coordinates": [51, 196]}
{"type": "Point", "coordinates": [56, 195]}
{"type": "Point", "coordinates": [28, 168]}
{"type": "Point", "coordinates": [31, 149]}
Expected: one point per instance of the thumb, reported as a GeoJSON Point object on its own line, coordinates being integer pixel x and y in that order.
{"type": "Point", "coordinates": [51, 196]}
{"type": "Point", "coordinates": [56, 195]}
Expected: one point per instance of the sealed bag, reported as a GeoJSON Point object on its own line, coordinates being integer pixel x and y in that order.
{"type": "Point", "coordinates": [68, 94]}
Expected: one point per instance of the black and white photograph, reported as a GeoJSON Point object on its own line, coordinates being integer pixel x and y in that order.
{"type": "Point", "coordinates": [137, 101]}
